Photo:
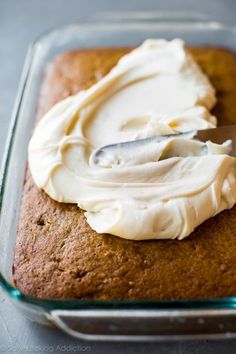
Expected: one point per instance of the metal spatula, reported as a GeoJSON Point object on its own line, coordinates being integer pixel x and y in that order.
{"type": "Point", "coordinates": [216, 135]}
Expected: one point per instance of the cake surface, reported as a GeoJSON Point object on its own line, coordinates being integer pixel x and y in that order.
{"type": "Point", "coordinates": [59, 256]}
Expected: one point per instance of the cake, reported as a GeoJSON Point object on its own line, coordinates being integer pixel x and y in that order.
{"type": "Point", "coordinates": [58, 255]}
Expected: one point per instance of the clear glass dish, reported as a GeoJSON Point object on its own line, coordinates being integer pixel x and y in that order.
{"type": "Point", "coordinates": [113, 320]}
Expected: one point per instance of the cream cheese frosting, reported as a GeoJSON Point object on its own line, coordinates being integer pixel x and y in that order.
{"type": "Point", "coordinates": [158, 191]}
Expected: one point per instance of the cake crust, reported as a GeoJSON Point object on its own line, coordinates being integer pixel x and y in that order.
{"type": "Point", "coordinates": [57, 254]}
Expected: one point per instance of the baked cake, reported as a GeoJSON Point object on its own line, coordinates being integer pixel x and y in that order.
{"type": "Point", "coordinates": [58, 255]}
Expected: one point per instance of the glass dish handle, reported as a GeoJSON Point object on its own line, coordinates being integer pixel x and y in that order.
{"type": "Point", "coordinates": [152, 16]}
{"type": "Point", "coordinates": [145, 324]}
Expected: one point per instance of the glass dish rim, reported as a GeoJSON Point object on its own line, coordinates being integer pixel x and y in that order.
{"type": "Point", "coordinates": [53, 304]}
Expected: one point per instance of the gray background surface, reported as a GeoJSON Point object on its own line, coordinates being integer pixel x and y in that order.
{"type": "Point", "coordinates": [21, 21]}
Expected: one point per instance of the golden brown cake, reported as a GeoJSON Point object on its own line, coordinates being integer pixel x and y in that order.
{"type": "Point", "coordinates": [59, 256]}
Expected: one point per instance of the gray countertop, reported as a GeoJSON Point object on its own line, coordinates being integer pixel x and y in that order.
{"type": "Point", "coordinates": [20, 23]}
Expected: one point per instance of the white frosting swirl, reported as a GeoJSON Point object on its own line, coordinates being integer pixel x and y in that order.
{"type": "Point", "coordinates": [151, 194]}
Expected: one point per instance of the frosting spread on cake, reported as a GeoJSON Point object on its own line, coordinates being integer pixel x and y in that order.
{"type": "Point", "coordinates": [151, 193]}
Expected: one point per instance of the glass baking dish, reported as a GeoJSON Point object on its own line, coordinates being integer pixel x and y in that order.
{"type": "Point", "coordinates": [110, 320]}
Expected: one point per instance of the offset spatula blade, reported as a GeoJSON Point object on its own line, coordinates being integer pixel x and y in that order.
{"type": "Point", "coordinates": [216, 135]}
{"type": "Point", "coordinates": [219, 135]}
